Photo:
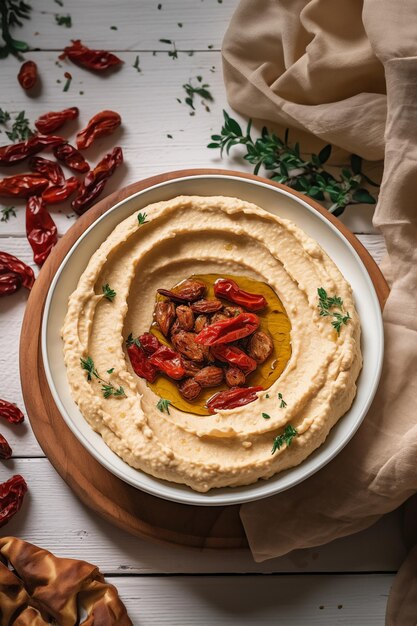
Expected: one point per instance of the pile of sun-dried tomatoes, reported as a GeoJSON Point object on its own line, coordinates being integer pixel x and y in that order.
{"type": "Point", "coordinates": [211, 342]}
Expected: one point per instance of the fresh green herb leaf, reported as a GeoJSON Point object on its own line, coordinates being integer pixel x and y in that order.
{"type": "Point", "coordinates": [266, 416]}
{"type": "Point", "coordinates": [113, 28]}
{"type": "Point", "coordinates": [136, 64]}
{"type": "Point", "coordinates": [4, 116]}
{"type": "Point", "coordinates": [171, 53]}
{"type": "Point", "coordinates": [166, 41]}
{"type": "Point", "coordinates": [110, 390]}
{"type": "Point", "coordinates": [163, 405]}
{"type": "Point", "coordinates": [287, 166]}
{"type": "Point", "coordinates": [20, 128]}
{"type": "Point", "coordinates": [201, 90]}
{"type": "Point", "coordinates": [88, 365]}
{"type": "Point", "coordinates": [110, 371]}
{"type": "Point", "coordinates": [68, 81]}
{"type": "Point", "coordinates": [169, 136]}
{"type": "Point", "coordinates": [159, 7]}
{"type": "Point", "coordinates": [61, 4]}
{"type": "Point", "coordinates": [326, 303]}
{"type": "Point", "coordinates": [108, 293]}
{"type": "Point", "coordinates": [12, 12]}
{"type": "Point", "coordinates": [282, 403]}
{"type": "Point", "coordinates": [107, 388]}
{"type": "Point", "coordinates": [179, 24]}
{"type": "Point", "coordinates": [142, 218]}
{"type": "Point", "coordinates": [130, 341]}
{"type": "Point", "coordinates": [285, 438]}
{"type": "Point", "coordinates": [63, 20]}
{"type": "Point", "coordinates": [340, 319]}
{"type": "Point", "coordinates": [267, 395]}
{"type": "Point", "coordinates": [7, 212]}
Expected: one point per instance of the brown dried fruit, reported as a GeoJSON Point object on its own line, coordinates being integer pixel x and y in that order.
{"type": "Point", "coordinates": [187, 291]}
{"type": "Point", "coordinates": [189, 389]}
{"type": "Point", "coordinates": [219, 317]}
{"type": "Point", "coordinates": [175, 328]}
{"type": "Point", "coordinates": [200, 322]}
{"type": "Point", "coordinates": [185, 317]}
{"type": "Point", "coordinates": [191, 368]}
{"type": "Point", "coordinates": [164, 316]}
{"type": "Point", "coordinates": [185, 343]}
{"type": "Point", "coordinates": [207, 306]}
{"type": "Point", "coordinates": [209, 376]}
{"type": "Point", "coordinates": [234, 377]}
{"type": "Point", "coordinates": [232, 311]}
{"type": "Point", "coordinates": [260, 346]}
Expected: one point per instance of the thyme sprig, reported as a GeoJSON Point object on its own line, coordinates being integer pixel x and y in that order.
{"type": "Point", "coordinates": [63, 20]}
{"type": "Point", "coordinates": [286, 437]}
{"type": "Point", "coordinates": [12, 12]}
{"type": "Point", "coordinates": [107, 388]}
{"type": "Point", "coordinates": [108, 292]}
{"type": "Point", "coordinates": [326, 303]}
{"type": "Point", "coordinates": [163, 405]}
{"type": "Point", "coordinates": [20, 130]}
{"type": "Point", "coordinates": [142, 218]}
{"type": "Point", "coordinates": [289, 167]}
{"type": "Point", "coordinates": [282, 403]}
{"type": "Point", "coordinates": [6, 213]}
{"type": "Point", "coordinates": [131, 340]}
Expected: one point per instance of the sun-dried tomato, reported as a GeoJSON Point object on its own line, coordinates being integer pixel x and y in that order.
{"type": "Point", "coordinates": [12, 493]}
{"type": "Point", "coordinates": [95, 180]}
{"type": "Point", "coordinates": [11, 412]}
{"type": "Point", "coordinates": [140, 362]}
{"type": "Point", "coordinates": [235, 356]}
{"type": "Point", "coordinates": [23, 185]}
{"type": "Point", "coordinates": [48, 169]}
{"type": "Point", "coordinates": [98, 60]}
{"type": "Point", "coordinates": [103, 123]}
{"type": "Point", "coordinates": [59, 193]}
{"type": "Point", "coordinates": [228, 330]}
{"type": "Point", "coordinates": [50, 122]}
{"type": "Point", "coordinates": [13, 265]}
{"type": "Point", "coordinates": [17, 152]}
{"type": "Point", "coordinates": [71, 157]}
{"type": "Point", "coordinates": [229, 290]}
{"type": "Point", "coordinates": [168, 361]}
{"type": "Point", "coordinates": [149, 343]}
{"type": "Point", "coordinates": [28, 74]}
{"type": "Point", "coordinates": [41, 230]}
{"type": "Point", "coordinates": [5, 449]}
{"type": "Point", "coordinates": [232, 398]}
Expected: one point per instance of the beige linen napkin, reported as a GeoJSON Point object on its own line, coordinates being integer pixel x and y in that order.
{"type": "Point", "coordinates": [320, 65]}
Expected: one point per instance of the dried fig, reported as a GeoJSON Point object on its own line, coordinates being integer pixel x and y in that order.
{"type": "Point", "coordinates": [234, 377]}
{"type": "Point", "coordinates": [200, 322]}
{"type": "Point", "coordinates": [209, 376]}
{"type": "Point", "coordinates": [207, 306]}
{"type": "Point", "coordinates": [185, 317]}
{"type": "Point", "coordinates": [189, 389]}
{"type": "Point", "coordinates": [260, 346]}
{"type": "Point", "coordinates": [185, 343]}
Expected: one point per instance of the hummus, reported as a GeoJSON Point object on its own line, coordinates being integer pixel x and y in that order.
{"type": "Point", "coordinates": [169, 242]}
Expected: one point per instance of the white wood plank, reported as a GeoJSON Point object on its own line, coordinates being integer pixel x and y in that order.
{"type": "Point", "coordinates": [139, 24]}
{"type": "Point", "coordinates": [266, 600]}
{"type": "Point", "coordinates": [54, 518]}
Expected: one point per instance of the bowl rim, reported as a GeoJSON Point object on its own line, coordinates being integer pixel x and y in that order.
{"type": "Point", "coordinates": [173, 491]}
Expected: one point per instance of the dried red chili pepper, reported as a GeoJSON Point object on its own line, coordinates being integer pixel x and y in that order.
{"type": "Point", "coordinates": [16, 152]}
{"type": "Point", "coordinates": [229, 330]}
{"type": "Point", "coordinates": [11, 264]}
{"type": "Point", "coordinates": [59, 193]}
{"type": "Point", "coordinates": [50, 122]}
{"type": "Point", "coordinates": [103, 123]}
{"type": "Point", "coordinates": [98, 60]}
{"type": "Point", "coordinates": [12, 493]}
{"type": "Point", "coordinates": [235, 356]}
{"type": "Point", "coordinates": [95, 180]}
{"type": "Point", "coordinates": [48, 169]}
{"type": "Point", "coordinates": [229, 290]}
{"type": "Point", "coordinates": [149, 343]}
{"type": "Point", "coordinates": [28, 74]}
{"type": "Point", "coordinates": [11, 412]}
{"type": "Point", "coordinates": [9, 283]}
{"type": "Point", "coordinates": [168, 361]}
{"type": "Point", "coordinates": [5, 449]}
{"type": "Point", "coordinates": [41, 230]}
{"type": "Point", "coordinates": [23, 185]}
{"type": "Point", "coordinates": [232, 398]}
{"type": "Point", "coordinates": [140, 362]}
{"type": "Point", "coordinates": [71, 157]}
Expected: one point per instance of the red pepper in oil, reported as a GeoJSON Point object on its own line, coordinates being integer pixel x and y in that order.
{"type": "Point", "coordinates": [228, 330]}
{"type": "Point", "coordinates": [232, 398]}
{"type": "Point", "coordinates": [229, 290]}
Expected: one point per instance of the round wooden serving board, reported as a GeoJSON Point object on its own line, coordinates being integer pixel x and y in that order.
{"type": "Point", "coordinates": [135, 511]}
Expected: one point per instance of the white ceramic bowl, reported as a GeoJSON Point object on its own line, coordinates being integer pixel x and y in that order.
{"type": "Point", "coordinates": [279, 202]}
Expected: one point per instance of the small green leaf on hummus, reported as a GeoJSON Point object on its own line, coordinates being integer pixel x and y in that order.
{"type": "Point", "coordinates": [130, 341]}
{"type": "Point", "coordinates": [108, 293]}
{"type": "Point", "coordinates": [282, 403]}
{"type": "Point", "coordinates": [107, 387]}
{"type": "Point", "coordinates": [142, 218]}
{"type": "Point", "coordinates": [267, 395]}
{"type": "Point", "coordinates": [266, 416]}
{"type": "Point", "coordinates": [110, 371]}
{"type": "Point", "coordinates": [286, 437]}
{"type": "Point", "coordinates": [326, 303]}
{"type": "Point", "coordinates": [163, 405]}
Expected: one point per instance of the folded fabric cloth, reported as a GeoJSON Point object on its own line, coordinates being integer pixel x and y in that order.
{"type": "Point", "coordinates": [44, 588]}
{"type": "Point", "coordinates": [324, 67]}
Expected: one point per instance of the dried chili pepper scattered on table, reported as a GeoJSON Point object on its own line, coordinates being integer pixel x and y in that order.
{"type": "Point", "coordinates": [228, 330]}
{"type": "Point", "coordinates": [140, 362]}
{"type": "Point", "coordinates": [41, 230]}
{"type": "Point", "coordinates": [11, 412]}
{"type": "Point", "coordinates": [168, 361]}
{"type": "Point", "coordinates": [103, 123]}
{"type": "Point", "coordinates": [10, 264]}
{"type": "Point", "coordinates": [5, 449]}
{"type": "Point", "coordinates": [28, 74]}
{"type": "Point", "coordinates": [97, 60]}
{"type": "Point", "coordinates": [17, 152]}
{"type": "Point", "coordinates": [50, 122]}
{"type": "Point", "coordinates": [23, 185]}
{"type": "Point", "coordinates": [48, 169]}
{"type": "Point", "coordinates": [9, 283]}
{"type": "Point", "coordinates": [229, 290]}
{"type": "Point", "coordinates": [71, 157]}
{"type": "Point", "coordinates": [232, 398]}
{"type": "Point", "coordinates": [95, 180]}
{"type": "Point", "coordinates": [59, 193]}
{"type": "Point", "coordinates": [12, 493]}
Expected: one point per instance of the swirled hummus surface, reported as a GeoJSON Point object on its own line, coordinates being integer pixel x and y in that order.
{"type": "Point", "coordinates": [171, 241]}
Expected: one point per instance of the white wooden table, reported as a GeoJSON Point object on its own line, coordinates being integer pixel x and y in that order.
{"type": "Point", "coordinates": [346, 582]}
